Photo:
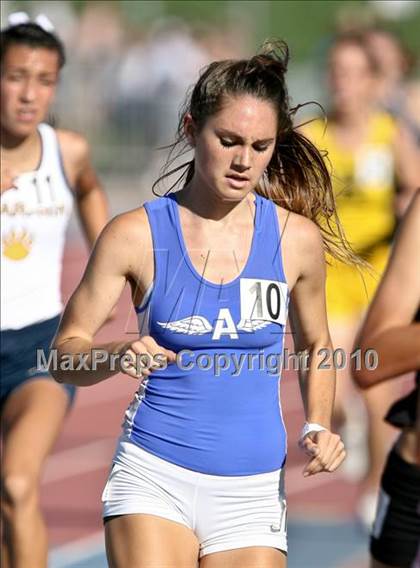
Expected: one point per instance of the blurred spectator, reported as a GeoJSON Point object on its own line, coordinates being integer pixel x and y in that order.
{"type": "Point", "coordinates": [154, 74]}
{"type": "Point", "coordinates": [95, 54]}
{"type": "Point", "coordinates": [401, 97]}
{"type": "Point", "coordinates": [221, 42]}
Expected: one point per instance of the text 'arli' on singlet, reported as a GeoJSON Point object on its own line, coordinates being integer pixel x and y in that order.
{"type": "Point", "coordinates": [215, 421]}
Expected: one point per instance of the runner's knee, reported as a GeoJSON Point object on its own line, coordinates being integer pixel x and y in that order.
{"type": "Point", "coordinates": [20, 490]}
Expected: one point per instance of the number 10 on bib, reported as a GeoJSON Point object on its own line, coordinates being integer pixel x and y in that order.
{"type": "Point", "coordinates": [264, 300]}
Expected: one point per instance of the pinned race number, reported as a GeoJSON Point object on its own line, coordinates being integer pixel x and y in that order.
{"type": "Point", "coordinates": [263, 300]}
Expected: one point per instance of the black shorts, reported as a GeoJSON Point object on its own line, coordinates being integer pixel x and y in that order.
{"type": "Point", "coordinates": [18, 360]}
{"type": "Point", "coordinates": [395, 535]}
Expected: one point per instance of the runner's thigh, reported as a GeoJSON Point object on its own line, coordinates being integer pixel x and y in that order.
{"type": "Point", "coordinates": [251, 557]}
{"type": "Point", "coordinates": [149, 541]}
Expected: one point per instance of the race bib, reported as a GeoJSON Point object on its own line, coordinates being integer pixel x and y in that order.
{"type": "Point", "coordinates": [374, 167]}
{"type": "Point", "coordinates": [263, 300]}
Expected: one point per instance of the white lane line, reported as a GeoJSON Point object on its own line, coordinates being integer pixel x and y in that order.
{"type": "Point", "coordinates": [79, 460]}
{"type": "Point", "coordinates": [77, 550]}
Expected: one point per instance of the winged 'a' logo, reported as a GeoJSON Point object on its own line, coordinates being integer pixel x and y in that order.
{"type": "Point", "coordinates": [252, 325]}
{"type": "Point", "coordinates": [198, 325]}
{"type": "Point", "coordinates": [194, 325]}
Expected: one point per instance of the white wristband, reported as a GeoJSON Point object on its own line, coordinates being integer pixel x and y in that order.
{"type": "Point", "coordinates": [309, 427]}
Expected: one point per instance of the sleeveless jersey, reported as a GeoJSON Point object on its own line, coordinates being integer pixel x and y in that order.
{"type": "Point", "coordinates": [363, 180]}
{"type": "Point", "coordinates": [215, 419]}
{"type": "Point", "coordinates": [34, 219]}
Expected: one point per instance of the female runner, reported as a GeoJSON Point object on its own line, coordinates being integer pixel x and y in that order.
{"type": "Point", "coordinates": [392, 328]}
{"type": "Point", "coordinates": [199, 470]}
{"type": "Point", "coordinates": [43, 171]}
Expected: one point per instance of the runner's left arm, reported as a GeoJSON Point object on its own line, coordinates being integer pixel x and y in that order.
{"type": "Point", "coordinates": [91, 200]}
{"type": "Point", "coordinates": [309, 324]}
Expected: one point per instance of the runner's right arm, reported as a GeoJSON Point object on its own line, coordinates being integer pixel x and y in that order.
{"type": "Point", "coordinates": [122, 253]}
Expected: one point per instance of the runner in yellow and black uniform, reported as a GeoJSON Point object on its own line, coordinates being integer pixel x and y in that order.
{"type": "Point", "coordinates": [364, 184]}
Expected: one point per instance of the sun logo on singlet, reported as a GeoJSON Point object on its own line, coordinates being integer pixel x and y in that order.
{"type": "Point", "coordinates": [17, 244]}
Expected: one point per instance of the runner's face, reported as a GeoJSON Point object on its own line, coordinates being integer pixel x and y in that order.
{"type": "Point", "coordinates": [28, 80]}
{"type": "Point", "coordinates": [235, 146]}
{"type": "Point", "coordinates": [388, 54]}
{"type": "Point", "coordinates": [351, 79]}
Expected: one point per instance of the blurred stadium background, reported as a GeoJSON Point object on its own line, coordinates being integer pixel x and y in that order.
{"type": "Point", "coordinates": [129, 65]}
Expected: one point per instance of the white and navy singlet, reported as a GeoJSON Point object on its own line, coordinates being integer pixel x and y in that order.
{"type": "Point", "coordinates": [34, 219]}
{"type": "Point", "coordinates": [226, 422]}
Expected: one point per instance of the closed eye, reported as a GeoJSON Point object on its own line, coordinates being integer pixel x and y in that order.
{"type": "Point", "coordinates": [15, 77]}
{"type": "Point", "coordinates": [227, 143]}
{"type": "Point", "coordinates": [260, 148]}
{"type": "Point", "coordinates": [230, 144]}
{"type": "Point", "coordinates": [47, 82]}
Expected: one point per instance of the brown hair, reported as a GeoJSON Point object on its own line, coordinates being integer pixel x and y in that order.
{"type": "Point", "coordinates": [296, 177]}
{"type": "Point", "coordinates": [32, 35]}
{"type": "Point", "coordinates": [360, 40]}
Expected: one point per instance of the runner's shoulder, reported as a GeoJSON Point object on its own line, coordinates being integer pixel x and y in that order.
{"type": "Point", "coordinates": [297, 229]}
{"type": "Point", "coordinates": [126, 241]}
{"type": "Point", "coordinates": [130, 228]}
{"type": "Point", "coordinates": [74, 146]}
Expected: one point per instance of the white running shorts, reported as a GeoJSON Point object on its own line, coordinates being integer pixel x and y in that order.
{"type": "Point", "coordinates": [224, 512]}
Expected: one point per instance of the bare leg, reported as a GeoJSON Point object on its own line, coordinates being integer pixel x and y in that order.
{"type": "Point", "coordinates": [381, 435]}
{"type": "Point", "coordinates": [343, 334]}
{"type": "Point", "coordinates": [32, 419]}
{"type": "Point", "coordinates": [149, 541]}
{"type": "Point", "coordinates": [261, 556]}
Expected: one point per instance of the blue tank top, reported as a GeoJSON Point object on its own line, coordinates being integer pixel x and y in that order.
{"type": "Point", "coordinates": [217, 410]}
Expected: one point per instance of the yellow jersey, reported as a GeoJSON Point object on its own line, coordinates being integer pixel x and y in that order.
{"type": "Point", "coordinates": [363, 179]}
